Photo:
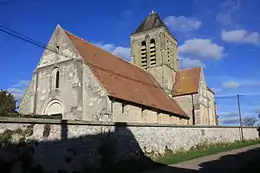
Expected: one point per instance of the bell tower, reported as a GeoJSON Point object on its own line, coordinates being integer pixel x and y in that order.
{"type": "Point", "coordinates": [154, 48]}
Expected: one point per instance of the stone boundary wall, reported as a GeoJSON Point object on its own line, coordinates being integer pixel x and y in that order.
{"type": "Point", "coordinates": [102, 123]}
{"type": "Point", "coordinates": [81, 142]}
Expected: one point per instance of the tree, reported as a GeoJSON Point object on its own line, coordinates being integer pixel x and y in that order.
{"type": "Point", "coordinates": [249, 121]}
{"type": "Point", "coordinates": [7, 102]}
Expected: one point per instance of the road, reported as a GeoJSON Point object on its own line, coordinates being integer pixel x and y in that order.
{"type": "Point", "coordinates": [226, 162]}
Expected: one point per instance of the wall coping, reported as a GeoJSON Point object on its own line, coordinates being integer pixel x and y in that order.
{"type": "Point", "coordinates": [100, 123]}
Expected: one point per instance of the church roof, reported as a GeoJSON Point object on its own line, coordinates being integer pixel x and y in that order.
{"type": "Point", "coordinates": [124, 80]}
{"type": "Point", "coordinates": [153, 20]}
{"type": "Point", "coordinates": [186, 81]}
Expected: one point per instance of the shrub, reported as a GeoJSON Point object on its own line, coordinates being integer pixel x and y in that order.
{"type": "Point", "coordinates": [7, 102]}
{"type": "Point", "coordinates": [18, 115]}
{"type": "Point", "coordinates": [6, 136]}
{"type": "Point", "coordinates": [29, 130]}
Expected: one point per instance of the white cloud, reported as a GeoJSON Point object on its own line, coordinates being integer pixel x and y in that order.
{"type": "Point", "coordinates": [18, 89]}
{"type": "Point", "coordinates": [228, 114]}
{"type": "Point", "coordinates": [182, 23]}
{"type": "Point", "coordinates": [227, 13]}
{"type": "Point", "coordinates": [240, 36]}
{"type": "Point", "coordinates": [231, 4]}
{"type": "Point", "coordinates": [123, 52]}
{"type": "Point", "coordinates": [224, 18]}
{"type": "Point", "coordinates": [229, 120]}
{"type": "Point", "coordinates": [233, 118]}
{"type": "Point", "coordinates": [186, 62]}
{"type": "Point", "coordinates": [235, 84]}
{"type": "Point", "coordinates": [203, 48]}
{"type": "Point", "coordinates": [231, 84]}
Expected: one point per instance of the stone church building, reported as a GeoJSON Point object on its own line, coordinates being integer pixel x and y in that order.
{"type": "Point", "coordinates": [84, 82]}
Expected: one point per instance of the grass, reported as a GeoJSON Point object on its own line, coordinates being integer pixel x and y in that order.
{"type": "Point", "coordinates": [199, 151]}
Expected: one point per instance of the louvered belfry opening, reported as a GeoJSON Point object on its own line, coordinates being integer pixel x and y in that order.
{"type": "Point", "coordinates": [143, 55]}
{"type": "Point", "coordinates": [152, 53]}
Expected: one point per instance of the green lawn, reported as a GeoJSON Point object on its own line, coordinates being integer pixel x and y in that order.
{"type": "Point", "coordinates": [172, 158]}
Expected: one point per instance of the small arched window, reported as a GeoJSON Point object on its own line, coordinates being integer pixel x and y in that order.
{"type": "Point", "coordinates": [57, 79]}
{"type": "Point", "coordinates": [152, 52]}
{"type": "Point", "coordinates": [143, 55]}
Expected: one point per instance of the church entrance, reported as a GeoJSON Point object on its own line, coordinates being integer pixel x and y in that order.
{"type": "Point", "coordinates": [54, 108]}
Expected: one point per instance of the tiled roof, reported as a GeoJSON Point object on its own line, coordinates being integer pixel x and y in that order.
{"type": "Point", "coordinates": [124, 80]}
{"type": "Point", "coordinates": [186, 81]}
{"type": "Point", "coordinates": [153, 20]}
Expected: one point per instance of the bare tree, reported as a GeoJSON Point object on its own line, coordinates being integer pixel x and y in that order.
{"type": "Point", "coordinates": [249, 121]}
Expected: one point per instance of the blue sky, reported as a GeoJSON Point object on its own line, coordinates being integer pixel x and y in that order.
{"type": "Point", "coordinates": [223, 36]}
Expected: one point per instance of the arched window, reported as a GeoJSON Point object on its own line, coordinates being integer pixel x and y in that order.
{"type": "Point", "coordinates": [57, 79]}
{"type": "Point", "coordinates": [143, 55]}
{"type": "Point", "coordinates": [152, 52]}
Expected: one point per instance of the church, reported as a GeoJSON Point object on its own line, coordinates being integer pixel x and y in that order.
{"type": "Point", "coordinates": [80, 81]}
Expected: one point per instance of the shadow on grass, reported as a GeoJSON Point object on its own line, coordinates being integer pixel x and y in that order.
{"type": "Point", "coordinates": [111, 151]}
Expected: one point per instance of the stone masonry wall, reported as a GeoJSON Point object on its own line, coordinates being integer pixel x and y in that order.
{"type": "Point", "coordinates": [135, 114]}
{"type": "Point", "coordinates": [73, 145]}
{"type": "Point", "coordinates": [42, 91]}
{"type": "Point", "coordinates": [186, 102]}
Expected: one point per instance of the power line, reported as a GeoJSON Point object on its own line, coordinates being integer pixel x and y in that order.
{"type": "Point", "coordinates": [235, 95]}
{"type": "Point", "coordinates": [24, 38]}
{"type": "Point", "coordinates": [44, 46]}
{"type": "Point", "coordinates": [225, 97]}
{"type": "Point", "coordinates": [41, 45]}
{"type": "Point", "coordinates": [9, 2]}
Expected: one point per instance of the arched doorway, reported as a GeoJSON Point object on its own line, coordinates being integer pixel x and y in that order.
{"type": "Point", "coordinates": [55, 107]}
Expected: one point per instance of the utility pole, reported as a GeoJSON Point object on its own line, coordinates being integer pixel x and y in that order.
{"type": "Point", "coordinates": [216, 116]}
{"type": "Point", "coordinates": [240, 118]}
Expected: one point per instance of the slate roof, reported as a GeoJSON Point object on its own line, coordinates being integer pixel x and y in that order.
{"type": "Point", "coordinates": [153, 20]}
{"type": "Point", "coordinates": [186, 81]}
{"type": "Point", "coordinates": [124, 80]}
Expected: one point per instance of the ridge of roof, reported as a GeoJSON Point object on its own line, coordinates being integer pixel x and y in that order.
{"type": "Point", "coordinates": [134, 66]}
{"type": "Point", "coordinates": [188, 69]}
{"type": "Point", "coordinates": [66, 31]}
{"type": "Point", "coordinates": [129, 83]}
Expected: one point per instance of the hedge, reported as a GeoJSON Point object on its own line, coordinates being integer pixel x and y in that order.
{"type": "Point", "coordinates": [18, 115]}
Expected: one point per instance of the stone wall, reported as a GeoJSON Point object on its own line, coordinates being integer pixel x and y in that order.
{"type": "Point", "coordinates": [75, 145]}
{"type": "Point", "coordinates": [96, 104]}
{"type": "Point", "coordinates": [188, 103]}
{"type": "Point", "coordinates": [123, 112]}
{"type": "Point", "coordinates": [42, 91]}
{"type": "Point", "coordinates": [207, 103]}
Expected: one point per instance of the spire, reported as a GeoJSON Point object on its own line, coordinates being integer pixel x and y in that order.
{"type": "Point", "coordinates": [153, 20]}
